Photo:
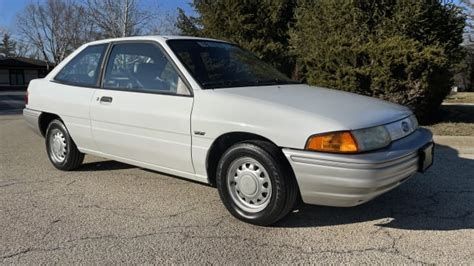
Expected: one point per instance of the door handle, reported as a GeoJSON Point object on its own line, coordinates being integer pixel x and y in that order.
{"type": "Point", "coordinates": [105, 99]}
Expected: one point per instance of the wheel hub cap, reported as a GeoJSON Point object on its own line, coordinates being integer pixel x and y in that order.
{"type": "Point", "coordinates": [249, 184]}
{"type": "Point", "coordinates": [57, 145]}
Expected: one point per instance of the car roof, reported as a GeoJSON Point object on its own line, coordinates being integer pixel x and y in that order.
{"type": "Point", "coordinates": [159, 38]}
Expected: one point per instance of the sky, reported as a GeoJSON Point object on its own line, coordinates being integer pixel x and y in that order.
{"type": "Point", "coordinates": [10, 8]}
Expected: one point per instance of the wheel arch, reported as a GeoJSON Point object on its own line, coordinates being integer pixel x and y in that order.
{"type": "Point", "coordinates": [225, 141]}
{"type": "Point", "coordinates": [44, 120]}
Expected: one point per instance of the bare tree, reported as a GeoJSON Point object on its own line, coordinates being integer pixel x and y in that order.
{"type": "Point", "coordinates": [465, 77]}
{"type": "Point", "coordinates": [24, 50]}
{"type": "Point", "coordinates": [55, 28]}
{"type": "Point", "coordinates": [165, 25]}
{"type": "Point", "coordinates": [120, 18]}
{"type": "Point", "coordinates": [468, 6]}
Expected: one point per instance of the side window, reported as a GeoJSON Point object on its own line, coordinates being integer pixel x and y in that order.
{"type": "Point", "coordinates": [142, 67]}
{"type": "Point", "coordinates": [84, 68]}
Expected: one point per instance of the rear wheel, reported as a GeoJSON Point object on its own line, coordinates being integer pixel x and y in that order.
{"type": "Point", "coordinates": [61, 149]}
{"type": "Point", "coordinates": [255, 183]}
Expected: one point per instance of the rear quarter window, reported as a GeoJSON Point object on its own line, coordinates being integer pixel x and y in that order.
{"type": "Point", "coordinates": [84, 68]}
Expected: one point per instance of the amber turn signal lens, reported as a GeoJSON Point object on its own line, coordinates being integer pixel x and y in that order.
{"type": "Point", "coordinates": [339, 142]}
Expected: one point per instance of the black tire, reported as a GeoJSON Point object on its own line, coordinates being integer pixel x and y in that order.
{"type": "Point", "coordinates": [284, 189]}
{"type": "Point", "coordinates": [73, 157]}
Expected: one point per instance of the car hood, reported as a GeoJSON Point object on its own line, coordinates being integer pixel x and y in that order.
{"type": "Point", "coordinates": [287, 114]}
{"type": "Point", "coordinates": [348, 110]}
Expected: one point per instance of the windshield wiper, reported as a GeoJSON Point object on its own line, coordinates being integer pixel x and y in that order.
{"type": "Point", "coordinates": [276, 81]}
{"type": "Point", "coordinates": [236, 83]}
{"type": "Point", "coordinates": [225, 83]}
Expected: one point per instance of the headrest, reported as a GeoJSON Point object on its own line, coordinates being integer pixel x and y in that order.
{"type": "Point", "coordinates": [147, 69]}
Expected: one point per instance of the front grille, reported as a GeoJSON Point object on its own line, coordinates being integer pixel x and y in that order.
{"type": "Point", "coordinates": [402, 128]}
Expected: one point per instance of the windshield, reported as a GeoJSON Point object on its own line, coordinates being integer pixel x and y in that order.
{"type": "Point", "coordinates": [217, 64]}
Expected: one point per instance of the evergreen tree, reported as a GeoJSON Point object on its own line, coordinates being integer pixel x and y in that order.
{"type": "Point", "coordinates": [259, 26]}
{"type": "Point", "coordinates": [8, 46]}
{"type": "Point", "coordinates": [189, 26]}
{"type": "Point", "coordinates": [402, 51]}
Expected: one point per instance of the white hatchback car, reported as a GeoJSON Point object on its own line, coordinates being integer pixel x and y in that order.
{"type": "Point", "coordinates": [210, 111]}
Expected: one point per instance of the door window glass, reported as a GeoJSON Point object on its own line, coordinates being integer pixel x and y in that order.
{"type": "Point", "coordinates": [84, 68]}
{"type": "Point", "coordinates": [142, 67]}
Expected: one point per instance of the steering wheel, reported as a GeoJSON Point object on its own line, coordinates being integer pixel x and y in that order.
{"type": "Point", "coordinates": [135, 80]}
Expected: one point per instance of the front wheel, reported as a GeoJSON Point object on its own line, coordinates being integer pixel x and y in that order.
{"type": "Point", "coordinates": [62, 150]}
{"type": "Point", "coordinates": [255, 183]}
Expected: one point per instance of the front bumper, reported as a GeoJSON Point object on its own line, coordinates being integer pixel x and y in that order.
{"type": "Point", "coordinates": [346, 180]}
{"type": "Point", "coordinates": [32, 119]}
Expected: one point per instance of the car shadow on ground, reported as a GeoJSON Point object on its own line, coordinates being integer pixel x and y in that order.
{"type": "Point", "coordinates": [104, 166]}
{"type": "Point", "coordinates": [441, 199]}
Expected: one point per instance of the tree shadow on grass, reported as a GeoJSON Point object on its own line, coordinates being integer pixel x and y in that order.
{"type": "Point", "coordinates": [441, 199]}
{"type": "Point", "coordinates": [454, 114]}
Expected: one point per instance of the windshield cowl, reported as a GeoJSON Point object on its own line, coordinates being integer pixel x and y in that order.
{"type": "Point", "coordinates": [246, 83]}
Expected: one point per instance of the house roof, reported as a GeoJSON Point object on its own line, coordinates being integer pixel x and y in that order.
{"type": "Point", "coordinates": [21, 62]}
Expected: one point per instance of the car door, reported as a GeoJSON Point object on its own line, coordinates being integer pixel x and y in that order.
{"type": "Point", "coordinates": [70, 91]}
{"type": "Point", "coordinates": [142, 112]}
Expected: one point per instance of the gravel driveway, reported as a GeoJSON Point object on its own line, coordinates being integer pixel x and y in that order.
{"type": "Point", "coordinates": [109, 212]}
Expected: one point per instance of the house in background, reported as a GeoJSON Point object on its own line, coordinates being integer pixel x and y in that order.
{"type": "Point", "coordinates": [16, 72]}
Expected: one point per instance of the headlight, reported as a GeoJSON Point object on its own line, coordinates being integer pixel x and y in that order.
{"type": "Point", "coordinates": [350, 141]}
{"type": "Point", "coordinates": [372, 138]}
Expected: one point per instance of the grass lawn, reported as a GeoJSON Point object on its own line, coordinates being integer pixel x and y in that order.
{"type": "Point", "coordinates": [460, 97]}
{"type": "Point", "coordinates": [454, 120]}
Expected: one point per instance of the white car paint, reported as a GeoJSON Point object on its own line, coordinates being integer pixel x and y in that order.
{"type": "Point", "coordinates": [151, 128]}
{"type": "Point", "coordinates": [285, 114]}
{"type": "Point", "coordinates": [157, 131]}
